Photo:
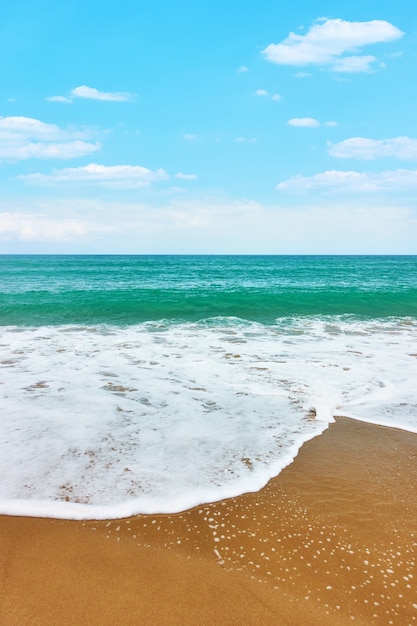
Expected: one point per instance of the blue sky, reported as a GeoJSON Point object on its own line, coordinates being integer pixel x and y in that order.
{"type": "Point", "coordinates": [185, 127]}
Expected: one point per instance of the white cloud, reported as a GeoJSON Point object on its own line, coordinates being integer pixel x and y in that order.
{"type": "Point", "coordinates": [68, 150]}
{"type": "Point", "coordinates": [328, 41]}
{"type": "Point", "coordinates": [117, 223]}
{"type": "Point", "coordinates": [58, 99]}
{"type": "Point", "coordinates": [18, 126]}
{"type": "Point", "coordinates": [335, 181]}
{"type": "Point", "coordinates": [264, 93]}
{"type": "Point", "coordinates": [352, 64]}
{"type": "Point", "coordinates": [120, 176]}
{"type": "Point", "coordinates": [183, 176]}
{"type": "Point", "coordinates": [331, 123]}
{"type": "Point", "coordinates": [39, 227]}
{"type": "Point", "coordinates": [25, 137]}
{"type": "Point", "coordinates": [191, 137]}
{"type": "Point", "coordinates": [209, 225]}
{"type": "Point", "coordinates": [94, 94]}
{"type": "Point", "coordinates": [242, 69]}
{"type": "Point", "coordinates": [403, 148]}
{"type": "Point", "coordinates": [303, 122]}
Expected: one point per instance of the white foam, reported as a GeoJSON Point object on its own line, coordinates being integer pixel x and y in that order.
{"type": "Point", "coordinates": [108, 422]}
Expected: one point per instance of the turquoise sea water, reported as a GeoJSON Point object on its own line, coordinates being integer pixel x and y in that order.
{"type": "Point", "coordinates": [37, 290]}
{"type": "Point", "coordinates": [154, 383]}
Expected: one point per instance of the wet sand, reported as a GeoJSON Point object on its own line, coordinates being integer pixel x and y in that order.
{"type": "Point", "coordinates": [331, 540]}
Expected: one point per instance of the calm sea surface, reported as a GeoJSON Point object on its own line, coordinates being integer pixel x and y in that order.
{"type": "Point", "coordinates": [154, 383]}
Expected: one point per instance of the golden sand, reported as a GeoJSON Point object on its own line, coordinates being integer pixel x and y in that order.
{"type": "Point", "coordinates": [331, 540]}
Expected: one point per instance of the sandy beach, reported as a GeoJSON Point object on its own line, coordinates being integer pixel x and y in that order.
{"type": "Point", "coordinates": [331, 540]}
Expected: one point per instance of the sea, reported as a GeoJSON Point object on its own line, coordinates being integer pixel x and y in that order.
{"type": "Point", "coordinates": [152, 384]}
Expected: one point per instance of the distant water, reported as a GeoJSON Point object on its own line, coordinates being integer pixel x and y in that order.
{"type": "Point", "coordinates": [154, 383]}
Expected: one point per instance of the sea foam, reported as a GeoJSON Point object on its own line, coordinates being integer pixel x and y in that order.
{"type": "Point", "coordinates": [106, 421]}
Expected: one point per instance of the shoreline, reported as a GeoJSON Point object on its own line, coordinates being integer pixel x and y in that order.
{"type": "Point", "coordinates": [331, 540]}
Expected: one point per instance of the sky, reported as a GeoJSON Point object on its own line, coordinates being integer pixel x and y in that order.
{"type": "Point", "coordinates": [208, 127]}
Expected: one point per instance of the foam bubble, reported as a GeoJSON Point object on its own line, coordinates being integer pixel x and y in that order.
{"type": "Point", "coordinates": [108, 421]}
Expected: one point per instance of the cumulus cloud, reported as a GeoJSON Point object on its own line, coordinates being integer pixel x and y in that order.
{"type": "Point", "coordinates": [120, 176]}
{"type": "Point", "coordinates": [94, 94]}
{"type": "Point", "coordinates": [25, 137]}
{"type": "Point", "coordinates": [68, 150]}
{"type": "Point", "coordinates": [11, 127]}
{"type": "Point", "coordinates": [403, 148]}
{"type": "Point", "coordinates": [328, 41]}
{"type": "Point", "coordinates": [349, 65]}
{"type": "Point", "coordinates": [265, 93]}
{"type": "Point", "coordinates": [352, 181]}
{"type": "Point", "coordinates": [303, 122]}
